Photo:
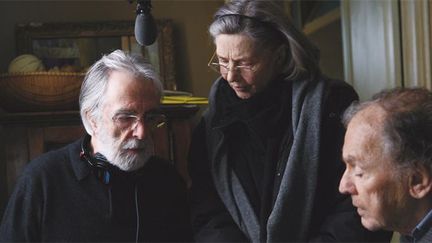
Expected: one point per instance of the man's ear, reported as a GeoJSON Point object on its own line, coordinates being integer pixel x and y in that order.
{"type": "Point", "coordinates": [420, 182]}
{"type": "Point", "coordinates": [92, 120]}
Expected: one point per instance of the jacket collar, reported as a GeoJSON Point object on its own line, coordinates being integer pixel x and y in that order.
{"type": "Point", "coordinates": [266, 106]}
{"type": "Point", "coordinates": [82, 168]}
{"type": "Point", "coordinates": [79, 165]}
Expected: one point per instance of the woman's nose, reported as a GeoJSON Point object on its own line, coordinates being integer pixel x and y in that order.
{"type": "Point", "coordinates": [232, 75]}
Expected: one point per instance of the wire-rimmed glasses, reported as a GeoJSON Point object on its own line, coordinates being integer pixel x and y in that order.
{"type": "Point", "coordinates": [223, 68]}
{"type": "Point", "coordinates": [152, 120]}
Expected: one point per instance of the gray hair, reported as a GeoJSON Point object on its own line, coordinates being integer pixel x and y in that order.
{"type": "Point", "coordinates": [407, 128]}
{"type": "Point", "coordinates": [267, 25]}
{"type": "Point", "coordinates": [95, 82]}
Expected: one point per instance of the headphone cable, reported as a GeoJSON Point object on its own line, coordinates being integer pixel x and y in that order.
{"type": "Point", "coordinates": [137, 213]}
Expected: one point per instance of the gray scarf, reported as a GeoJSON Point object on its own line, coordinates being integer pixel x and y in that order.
{"type": "Point", "coordinates": [290, 217]}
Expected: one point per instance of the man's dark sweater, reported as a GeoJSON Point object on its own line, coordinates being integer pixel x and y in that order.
{"type": "Point", "coordinates": [58, 198]}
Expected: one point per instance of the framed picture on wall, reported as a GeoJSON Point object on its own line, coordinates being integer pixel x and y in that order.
{"type": "Point", "coordinates": [73, 47]}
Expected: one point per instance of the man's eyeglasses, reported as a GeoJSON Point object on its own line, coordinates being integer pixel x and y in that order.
{"type": "Point", "coordinates": [223, 68]}
{"type": "Point", "coordinates": [129, 121]}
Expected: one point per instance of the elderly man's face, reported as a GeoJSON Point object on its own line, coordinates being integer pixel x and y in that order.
{"type": "Point", "coordinates": [126, 147]}
{"type": "Point", "coordinates": [378, 192]}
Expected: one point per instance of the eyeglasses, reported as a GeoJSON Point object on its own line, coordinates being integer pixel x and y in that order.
{"type": "Point", "coordinates": [223, 68]}
{"type": "Point", "coordinates": [152, 120]}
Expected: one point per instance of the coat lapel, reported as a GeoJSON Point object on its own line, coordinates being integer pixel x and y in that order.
{"type": "Point", "coordinates": [232, 192]}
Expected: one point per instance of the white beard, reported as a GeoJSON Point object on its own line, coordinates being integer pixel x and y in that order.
{"type": "Point", "coordinates": [116, 152]}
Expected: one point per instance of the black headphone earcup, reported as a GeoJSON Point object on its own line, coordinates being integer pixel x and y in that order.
{"type": "Point", "coordinates": [99, 164]}
{"type": "Point", "coordinates": [103, 174]}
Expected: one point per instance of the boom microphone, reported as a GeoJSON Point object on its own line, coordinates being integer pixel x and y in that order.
{"type": "Point", "coordinates": [145, 25]}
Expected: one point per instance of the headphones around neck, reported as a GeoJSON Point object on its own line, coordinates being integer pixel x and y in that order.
{"type": "Point", "coordinates": [101, 167]}
{"type": "Point", "coordinates": [103, 171]}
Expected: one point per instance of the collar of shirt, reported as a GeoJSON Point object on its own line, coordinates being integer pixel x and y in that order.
{"type": "Point", "coordinates": [422, 227]}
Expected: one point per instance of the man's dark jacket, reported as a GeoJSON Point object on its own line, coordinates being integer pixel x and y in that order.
{"type": "Point", "coordinates": [229, 197]}
{"type": "Point", "coordinates": [58, 198]}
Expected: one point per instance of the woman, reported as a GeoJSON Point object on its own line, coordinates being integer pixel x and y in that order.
{"type": "Point", "coordinates": [265, 158]}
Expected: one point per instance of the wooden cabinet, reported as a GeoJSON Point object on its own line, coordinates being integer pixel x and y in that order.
{"type": "Point", "coordinates": [24, 136]}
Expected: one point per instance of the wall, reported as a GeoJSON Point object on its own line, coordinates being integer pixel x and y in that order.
{"type": "Point", "coordinates": [329, 41]}
{"type": "Point", "coordinates": [191, 18]}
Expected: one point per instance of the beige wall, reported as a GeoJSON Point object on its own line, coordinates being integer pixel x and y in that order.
{"type": "Point", "coordinates": [191, 19]}
{"type": "Point", "coordinates": [329, 41]}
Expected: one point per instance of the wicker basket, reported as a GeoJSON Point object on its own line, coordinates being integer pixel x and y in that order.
{"type": "Point", "coordinates": [40, 91]}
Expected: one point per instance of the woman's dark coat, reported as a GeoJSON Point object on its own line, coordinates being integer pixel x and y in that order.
{"type": "Point", "coordinates": [306, 204]}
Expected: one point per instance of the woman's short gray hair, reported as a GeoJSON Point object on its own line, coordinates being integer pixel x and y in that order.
{"type": "Point", "coordinates": [269, 28]}
{"type": "Point", "coordinates": [95, 82]}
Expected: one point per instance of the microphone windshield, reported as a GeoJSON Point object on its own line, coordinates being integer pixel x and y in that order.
{"type": "Point", "coordinates": [145, 29]}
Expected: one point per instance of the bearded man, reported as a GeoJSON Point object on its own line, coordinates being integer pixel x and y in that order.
{"type": "Point", "coordinates": [107, 186]}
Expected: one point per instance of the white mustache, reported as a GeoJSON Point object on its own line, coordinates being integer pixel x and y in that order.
{"type": "Point", "coordinates": [134, 144]}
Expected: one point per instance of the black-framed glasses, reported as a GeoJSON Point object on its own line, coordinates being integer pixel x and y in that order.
{"type": "Point", "coordinates": [223, 68]}
{"type": "Point", "coordinates": [152, 120]}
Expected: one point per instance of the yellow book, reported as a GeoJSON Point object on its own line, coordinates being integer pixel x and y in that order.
{"type": "Point", "coordinates": [190, 100]}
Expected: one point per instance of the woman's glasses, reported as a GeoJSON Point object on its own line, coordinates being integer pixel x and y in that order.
{"type": "Point", "coordinates": [223, 68]}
